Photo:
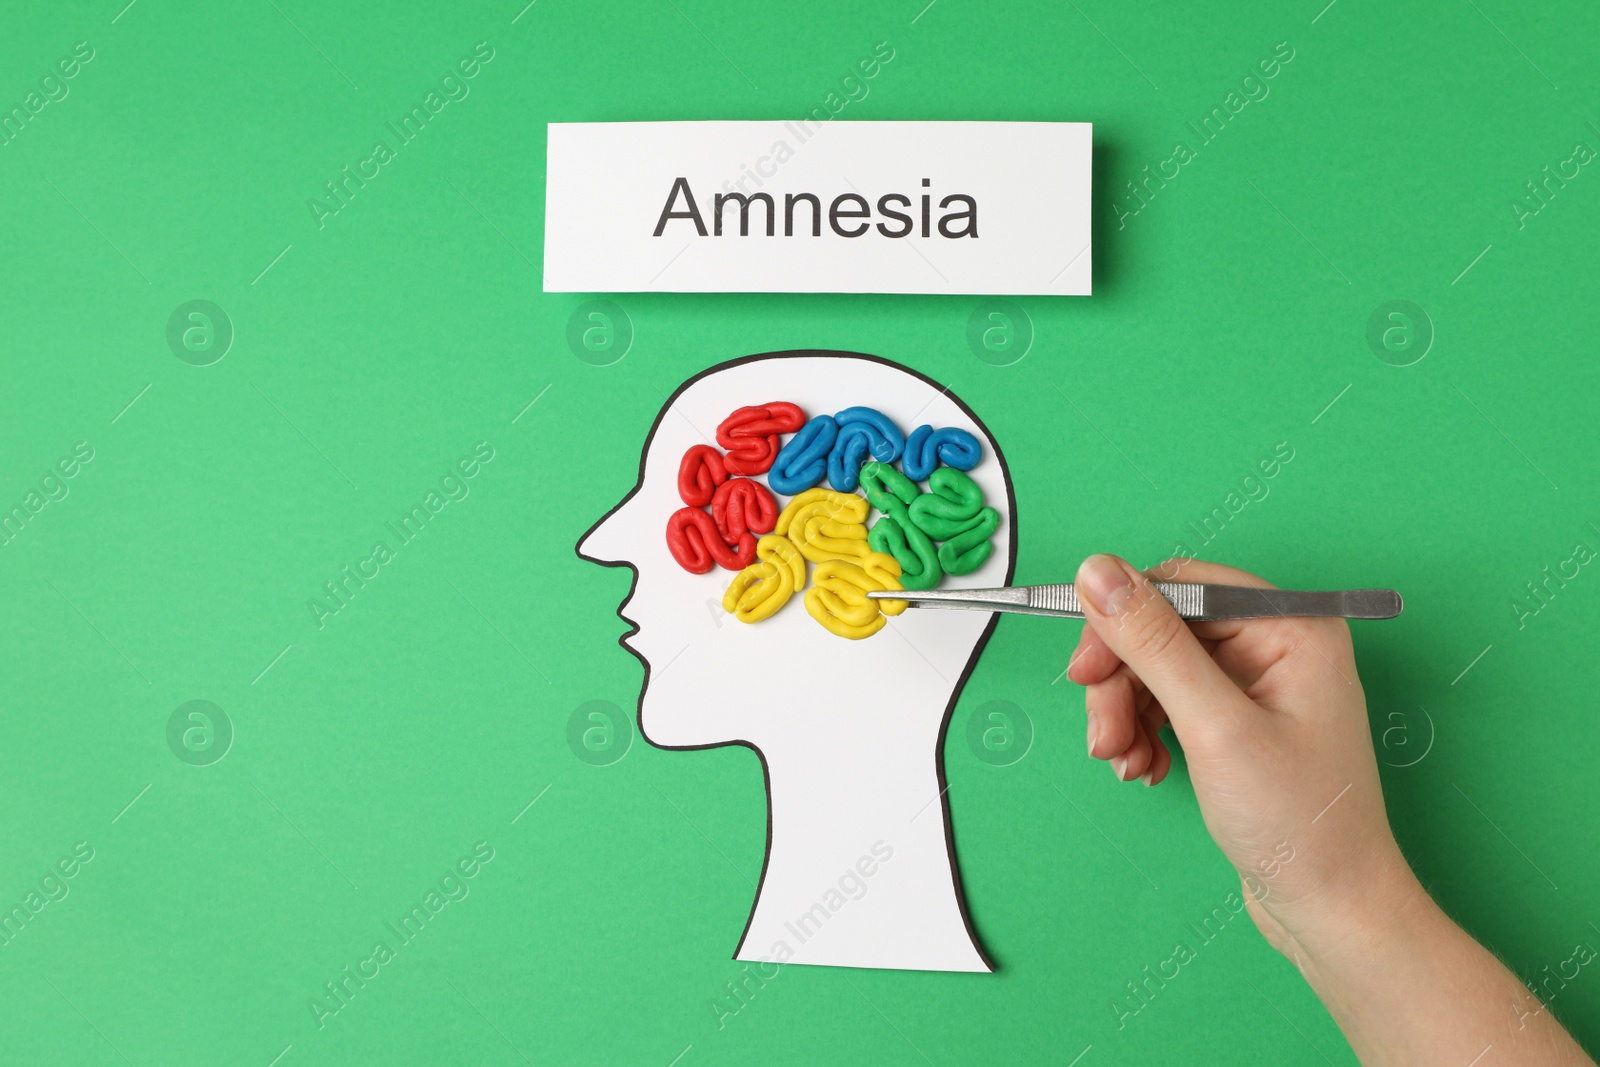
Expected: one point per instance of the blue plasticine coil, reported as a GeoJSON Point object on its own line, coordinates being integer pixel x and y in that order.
{"type": "Point", "coordinates": [861, 431]}
{"type": "Point", "coordinates": [802, 462]}
{"type": "Point", "coordinates": [927, 447]}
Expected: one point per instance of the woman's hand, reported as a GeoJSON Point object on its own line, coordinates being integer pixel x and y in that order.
{"type": "Point", "coordinates": [1273, 723]}
{"type": "Point", "coordinates": [1274, 726]}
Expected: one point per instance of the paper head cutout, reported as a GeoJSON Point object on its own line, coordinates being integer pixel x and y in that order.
{"type": "Point", "coordinates": [860, 867]}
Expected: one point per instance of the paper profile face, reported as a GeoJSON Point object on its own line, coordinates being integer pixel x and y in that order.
{"type": "Point", "coordinates": [860, 868]}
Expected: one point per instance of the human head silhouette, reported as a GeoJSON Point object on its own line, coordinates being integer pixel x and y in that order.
{"type": "Point", "coordinates": [860, 868]}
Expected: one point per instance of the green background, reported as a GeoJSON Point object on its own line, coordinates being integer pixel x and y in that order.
{"type": "Point", "coordinates": [370, 754]}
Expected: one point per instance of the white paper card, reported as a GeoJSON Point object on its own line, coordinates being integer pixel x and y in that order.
{"type": "Point", "coordinates": [851, 207]}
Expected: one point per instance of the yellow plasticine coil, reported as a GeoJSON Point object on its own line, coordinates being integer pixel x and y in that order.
{"type": "Point", "coordinates": [781, 551]}
{"type": "Point", "coordinates": [885, 570]}
{"type": "Point", "coordinates": [758, 591]}
{"type": "Point", "coordinates": [838, 595]}
{"type": "Point", "coordinates": [820, 539]}
{"type": "Point", "coordinates": [826, 525]}
{"type": "Point", "coordinates": [846, 507]}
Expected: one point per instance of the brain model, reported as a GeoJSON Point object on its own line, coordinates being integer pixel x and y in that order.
{"type": "Point", "coordinates": [731, 520]}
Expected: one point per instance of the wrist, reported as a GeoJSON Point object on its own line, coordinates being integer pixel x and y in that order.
{"type": "Point", "coordinates": [1407, 985]}
{"type": "Point", "coordinates": [1370, 927]}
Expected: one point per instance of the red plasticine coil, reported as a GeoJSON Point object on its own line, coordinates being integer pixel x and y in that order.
{"type": "Point", "coordinates": [694, 541]}
{"type": "Point", "coordinates": [742, 507]}
{"type": "Point", "coordinates": [700, 474]}
{"type": "Point", "coordinates": [751, 435]}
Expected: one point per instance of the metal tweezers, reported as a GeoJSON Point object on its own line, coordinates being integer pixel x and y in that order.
{"type": "Point", "coordinates": [1194, 601]}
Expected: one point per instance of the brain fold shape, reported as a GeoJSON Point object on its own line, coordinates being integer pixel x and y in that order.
{"type": "Point", "coordinates": [838, 596]}
{"type": "Point", "coordinates": [751, 435]}
{"type": "Point", "coordinates": [926, 448]}
{"type": "Point", "coordinates": [742, 506]}
{"type": "Point", "coordinates": [699, 475]}
{"type": "Point", "coordinates": [803, 462]}
{"type": "Point", "coordinates": [759, 590]}
{"type": "Point", "coordinates": [696, 543]}
{"type": "Point", "coordinates": [861, 431]}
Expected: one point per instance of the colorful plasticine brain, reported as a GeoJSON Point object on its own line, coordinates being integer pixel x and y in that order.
{"type": "Point", "coordinates": [745, 531]}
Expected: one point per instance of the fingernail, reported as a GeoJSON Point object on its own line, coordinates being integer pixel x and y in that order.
{"type": "Point", "coordinates": [1094, 731]}
{"type": "Point", "coordinates": [1103, 583]}
{"type": "Point", "coordinates": [1146, 778]}
{"type": "Point", "coordinates": [1118, 765]}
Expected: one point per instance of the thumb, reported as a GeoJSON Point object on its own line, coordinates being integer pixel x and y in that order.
{"type": "Point", "coordinates": [1145, 632]}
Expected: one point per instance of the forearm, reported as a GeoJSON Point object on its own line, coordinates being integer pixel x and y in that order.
{"type": "Point", "coordinates": [1408, 986]}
